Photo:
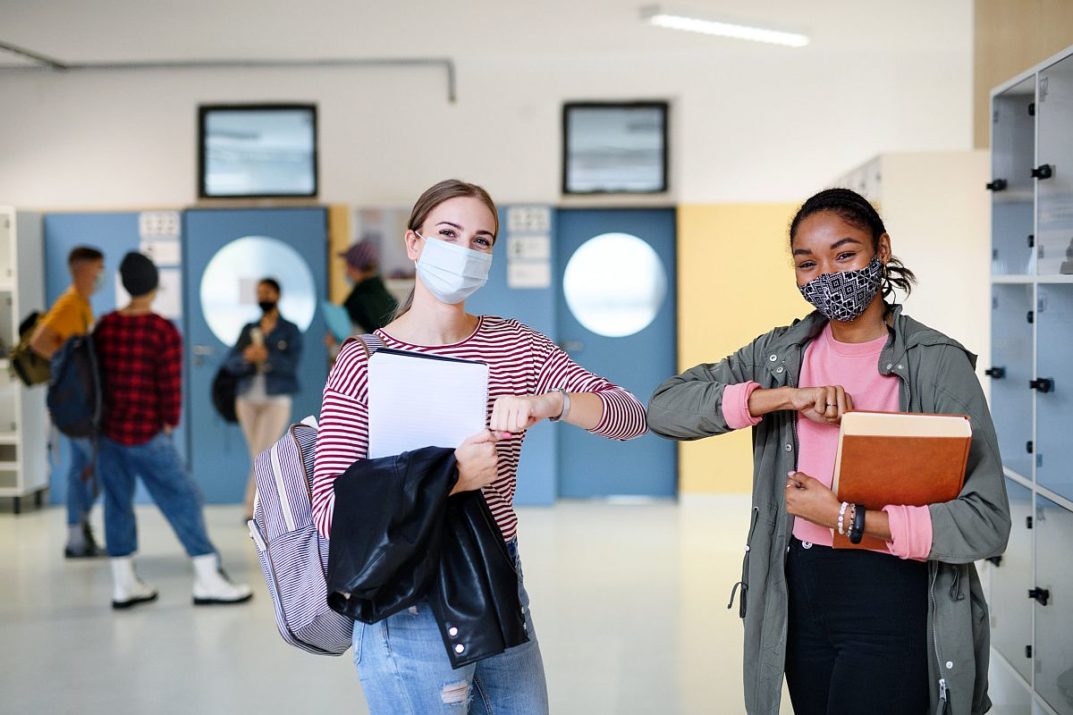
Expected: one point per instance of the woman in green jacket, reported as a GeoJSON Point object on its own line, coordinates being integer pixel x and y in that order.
{"type": "Point", "coordinates": [900, 630]}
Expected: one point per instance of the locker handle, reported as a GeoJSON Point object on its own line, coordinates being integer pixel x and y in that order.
{"type": "Point", "coordinates": [1041, 595]}
{"type": "Point", "coordinates": [1029, 447]}
{"type": "Point", "coordinates": [996, 373]}
{"type": "Point", "coordinates": [1043, 171]}
{"type": "Point", "coordinates": [997, 185]}
{"type": "Point", "coordinates": [1042, 384]}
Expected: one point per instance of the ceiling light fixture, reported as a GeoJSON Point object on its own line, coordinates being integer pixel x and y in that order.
{"type": "Point", "coordinates": [660, 17]}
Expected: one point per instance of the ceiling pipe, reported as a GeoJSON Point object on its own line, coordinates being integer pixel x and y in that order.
{"type": "Point", "coordinates": [40, 59]}
{"type": "Point", "coordinates": [49, 63]}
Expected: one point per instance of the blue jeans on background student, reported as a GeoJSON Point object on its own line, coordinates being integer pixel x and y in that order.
{"type": "Point", "coordinates": [404, 668]}
{"type": "Point", "coordinates": [81, 492]}
{"type": "Point", "coordinates": [157, 462]}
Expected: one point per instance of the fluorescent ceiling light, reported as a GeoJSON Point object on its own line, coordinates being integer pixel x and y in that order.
{"type": "Point", "coordinates": [671, 20]}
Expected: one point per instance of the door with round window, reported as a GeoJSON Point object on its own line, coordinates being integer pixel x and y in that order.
{"type": "Point", "coordinates": [617, 318]}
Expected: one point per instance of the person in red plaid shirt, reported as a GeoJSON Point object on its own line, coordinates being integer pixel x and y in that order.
{"type": "Point", "coordinates": [140, 355]}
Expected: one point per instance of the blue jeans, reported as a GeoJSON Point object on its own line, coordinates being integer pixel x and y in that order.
{"type": "Point", "coordinates": [175, 493]}
{"type": "Point", "coordinates": [404, 668]}
{"type": "Point", "coordinates": [81, 487]}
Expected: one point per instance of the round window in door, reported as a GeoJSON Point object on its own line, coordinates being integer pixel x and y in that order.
{"type": "Point", "coordinates": [229, 285]}
{"type": "Point", "coordinates": [615, 284]}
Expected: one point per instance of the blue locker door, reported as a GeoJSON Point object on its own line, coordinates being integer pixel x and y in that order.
{"type": "Point", "coordinates": [622, 327]}
{"type": "Point", "coordinates": [226, 252]}
{"type": "Point", "coordinates": [115, 234]}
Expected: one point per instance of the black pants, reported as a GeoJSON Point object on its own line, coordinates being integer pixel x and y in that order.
{"type": "Point", "coordinates": [857, 637]}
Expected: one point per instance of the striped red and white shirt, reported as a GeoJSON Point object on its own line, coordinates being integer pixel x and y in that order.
{"type": "Point", "coordinates": [521, 361]}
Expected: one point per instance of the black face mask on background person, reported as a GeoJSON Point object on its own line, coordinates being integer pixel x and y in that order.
{"type": "Point", "coordinates": [266, 306]}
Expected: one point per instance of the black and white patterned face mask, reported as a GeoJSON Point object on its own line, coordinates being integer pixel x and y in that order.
{"type": "Point", "coordinates": [845, 296]}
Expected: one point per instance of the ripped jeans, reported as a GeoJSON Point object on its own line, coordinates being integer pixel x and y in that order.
{"type": "Point", "coordinates": [404, 668]}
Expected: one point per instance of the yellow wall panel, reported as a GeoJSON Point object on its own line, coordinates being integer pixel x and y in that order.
{"type": "Point", "coordinates": [735, 281]}
{"type": "Point", "coordinates": [339, 238]}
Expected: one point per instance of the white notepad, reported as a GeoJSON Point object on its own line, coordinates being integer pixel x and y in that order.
{"type": "Point", "coordinates": [418, 400]}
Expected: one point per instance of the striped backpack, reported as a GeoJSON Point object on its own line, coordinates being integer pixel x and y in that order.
{"type": "Point", "coordinates": [293, 555]}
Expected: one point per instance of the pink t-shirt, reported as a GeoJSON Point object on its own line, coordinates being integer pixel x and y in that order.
{"type": "Point", "coordinates": [853, 366]}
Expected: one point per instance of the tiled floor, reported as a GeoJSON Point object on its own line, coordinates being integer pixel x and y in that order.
{"type": "Point", "coordinates": [629, 602]}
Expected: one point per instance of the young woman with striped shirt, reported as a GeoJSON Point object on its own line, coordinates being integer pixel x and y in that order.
{"type": "Point", "coordinates": [451, 233]}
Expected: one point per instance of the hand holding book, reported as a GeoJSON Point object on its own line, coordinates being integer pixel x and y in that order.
{"type": "Point", "coordinates": [888, 458]}
{"type": "Point", "coordinates": [810, 499]}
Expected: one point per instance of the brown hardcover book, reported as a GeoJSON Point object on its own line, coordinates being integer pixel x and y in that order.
{"type": "Point", "coordinates": [899, 458]}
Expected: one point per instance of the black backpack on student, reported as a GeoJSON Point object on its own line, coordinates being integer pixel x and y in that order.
{"type": "Point", "coordinates": [224, 393]}
{"type": "Point", "coordinates": [75, 400]}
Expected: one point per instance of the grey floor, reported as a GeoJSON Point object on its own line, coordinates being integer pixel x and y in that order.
{"type": "Point", "coordinates": [629, 602]}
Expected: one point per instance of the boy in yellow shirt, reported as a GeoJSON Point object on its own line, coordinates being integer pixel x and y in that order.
{"type": "Point", "coordinates": [72, 315]}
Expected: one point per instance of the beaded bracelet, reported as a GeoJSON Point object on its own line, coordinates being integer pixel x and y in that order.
{"type": "Point", "coordinates": [842, 518]}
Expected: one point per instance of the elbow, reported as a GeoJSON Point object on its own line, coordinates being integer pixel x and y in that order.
{"type": "Point", "coordinates": [1001, 535]}
{"type": "Point", "coordinates": [988, 536]}
{"type": "Point", "coordinates": [668, 424]}
{"type": "Point", "coordinates": [997, 535]}
{"type": "Point", "coordinates": [659, 424]}
{"type": "Point", "coordinates": [639, 425]}
{"type": "Point", "coordinates": [656, 417]}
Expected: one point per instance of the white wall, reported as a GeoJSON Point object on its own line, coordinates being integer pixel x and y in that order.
{"type": "Point", "coordinates": [938, 214]}
{"type": "Point", "coordinates": [773, 126]}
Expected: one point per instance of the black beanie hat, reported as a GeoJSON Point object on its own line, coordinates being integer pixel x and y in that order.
{"type": "Point", "coordinates": [139, 275]}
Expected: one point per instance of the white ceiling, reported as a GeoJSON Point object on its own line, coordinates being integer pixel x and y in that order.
{"type": "Point", "coordinates": [141, 30]}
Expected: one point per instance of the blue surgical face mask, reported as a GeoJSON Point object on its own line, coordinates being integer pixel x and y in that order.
{"type": "Point", "coordinates": [98, 282]}
{"type": "Point", "coordinates": [452, 273]}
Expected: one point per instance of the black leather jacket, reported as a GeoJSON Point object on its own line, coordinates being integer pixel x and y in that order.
{"type": "Point", "coordinates": [398, 538]}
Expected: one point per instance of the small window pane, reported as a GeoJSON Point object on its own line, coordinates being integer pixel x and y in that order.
{"type": "Point", "coordinates": [615, 284]}
{"type": "Point", "coordinates": [229, 285]}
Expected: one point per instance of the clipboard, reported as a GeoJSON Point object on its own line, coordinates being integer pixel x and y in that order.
{"type": "Point", "coordinates": [419, 400]}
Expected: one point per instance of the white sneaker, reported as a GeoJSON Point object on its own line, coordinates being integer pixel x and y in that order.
{"type": "Point", "coordinates": [127, 589]}
{"type": "Point", "coordinates": [212, 586]}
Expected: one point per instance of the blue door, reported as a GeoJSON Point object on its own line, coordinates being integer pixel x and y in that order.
{"type": "Point", "coordinates": [617, 318]}
{"type": "Point", "coordinates": [226, 253]}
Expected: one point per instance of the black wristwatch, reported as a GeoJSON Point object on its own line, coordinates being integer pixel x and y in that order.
{"type": "Point", "coordinates": [857, 530]}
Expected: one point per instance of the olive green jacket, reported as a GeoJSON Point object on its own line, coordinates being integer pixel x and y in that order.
{"type": "Point", "coordinates": [937, 375]}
